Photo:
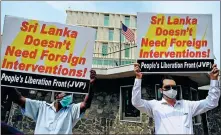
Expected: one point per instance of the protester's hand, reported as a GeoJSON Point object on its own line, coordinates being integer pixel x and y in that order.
{"type": "Point", "coordinates": [93, 76]}
{"type": "Point", "coordinates": [214, 74]}
{"type": "Point", "coordinates": [137, 71]}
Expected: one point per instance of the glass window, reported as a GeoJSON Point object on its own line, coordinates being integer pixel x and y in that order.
{"type": "Point", "coordinates": [128, 111]}
{"type": "Point", "coordinates": [106, 20]}
{"type": "Point", "coordinates": [127, 51]}
{"type": "Point", "coordinates": [110, 62]}
{"type": "Point", "coordinates": [135, 22]}
{"type": "Point", "coordinates": [128, 62]}
{"type": "Point", "coordinates": [104, 49]}
{"type": "Point", "coordinates": [127, 21]}
{"type": "Point", "coordinates": [94, 62]}
{"type": "Point", "coordinates": [111, 34]}
{"type": "Point", "coordinates": [99, 62]}
{"type": "Point", "coordinates": [105, 62]}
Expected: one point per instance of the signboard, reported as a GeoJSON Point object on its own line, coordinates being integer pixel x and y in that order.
{"type": "Point", "coordinates": [175, 42]}
{"type": "Point", "coordinates": [47, 56]}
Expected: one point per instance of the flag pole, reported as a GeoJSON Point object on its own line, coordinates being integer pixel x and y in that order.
{"type": "Point", "coordinates": [120, 43]}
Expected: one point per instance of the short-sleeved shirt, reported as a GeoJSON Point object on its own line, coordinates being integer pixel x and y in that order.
{"type": "Point", "coordinates": [48, 121]}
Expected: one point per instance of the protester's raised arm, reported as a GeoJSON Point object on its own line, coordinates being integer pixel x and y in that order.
{"type": "Point", "coordinates": [29, 107]}
{"type": "Point", "coordinates": [16, 96]}
{"type": "Point", "coordinates": [141, 104]}
{"type": "Point", "coordinates": [212, 100]}
{"type": "Point", "coordinates": [88, 99]}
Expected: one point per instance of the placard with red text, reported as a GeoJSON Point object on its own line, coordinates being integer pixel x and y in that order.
{"type": "Point", "coordinates": [47, 56]}
{"type": "Point", "coordinates": [175, 42]}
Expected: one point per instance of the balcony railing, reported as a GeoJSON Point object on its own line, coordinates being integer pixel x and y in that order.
{"type": "Point", "coordinates": [111, 59]}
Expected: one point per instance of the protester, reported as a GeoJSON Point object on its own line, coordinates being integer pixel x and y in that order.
{"type": "Point", "coordinates": [56, 118]}
{"type": "Point", "coordinates": [173, 116]}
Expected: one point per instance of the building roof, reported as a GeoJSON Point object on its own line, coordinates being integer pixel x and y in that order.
{"type": "Point", "coordinates": [206, 87]}
{"type": "Point", "coordinates": [68, 10]}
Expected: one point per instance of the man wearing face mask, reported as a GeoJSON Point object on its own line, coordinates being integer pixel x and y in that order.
{"type": "Point", "coordinates": [173, 116]}
{"type": "Point", "coordinates": [56, 118]}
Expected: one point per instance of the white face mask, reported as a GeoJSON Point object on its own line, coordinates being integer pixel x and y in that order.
{"type": "Point", "coordinates": [170, 93]}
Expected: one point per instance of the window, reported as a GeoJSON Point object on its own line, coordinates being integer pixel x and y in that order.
{"type": "Point", "coordinates": [111, 34]}
{"type": "Point", "coordinates": [106, 20]}
{"type": "Point", "coordinates": [105, 62]}
{"type": "Point", "coordinates": [127, 51]}
{"type": "Point", "coordinates": [104, 49]}
{"type": "Point", "coordinates": [127, 21]}
{"type": "Point", "coordinates": [127, 111]}
{"type": "Point", "coordinates": [99, 62]}
{"type": "Point", "coordinates": [127, 62]}
{"type": "Point", "coordinates": [193, 94]}
{"type": "Point", "coordinates": [135, 22]}
{"type": "Point", "coordinates": [94, 62]}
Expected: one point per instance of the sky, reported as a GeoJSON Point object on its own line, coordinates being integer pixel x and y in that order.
{"type": "Point", "coordinates": [55, 11]}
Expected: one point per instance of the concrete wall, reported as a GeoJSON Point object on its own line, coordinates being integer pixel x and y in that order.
{"type": "Point", "coordinates": [214, 121]}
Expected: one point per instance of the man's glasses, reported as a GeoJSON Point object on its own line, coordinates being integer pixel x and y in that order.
{"type": "Point", "coordinates": [168, 87]}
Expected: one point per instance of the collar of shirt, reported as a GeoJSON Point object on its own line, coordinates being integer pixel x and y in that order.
{"type": "Point", "coordinates": [163, 101]}
{"type": "Point", "coordinates": [52, 106]}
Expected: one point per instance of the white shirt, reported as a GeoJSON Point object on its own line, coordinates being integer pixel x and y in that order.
{"type": "Point", "coordinates": [48, 121]}
{"type": "Point", "coordinates": [177, 119]}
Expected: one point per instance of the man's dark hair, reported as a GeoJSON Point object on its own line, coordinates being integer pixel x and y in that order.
{"type": "Point", "coordinates": [166, 77]}
{"type": "Point", "coordinates": [57, 93]}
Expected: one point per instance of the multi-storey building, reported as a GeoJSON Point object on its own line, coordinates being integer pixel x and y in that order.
{"type": "Point", "coordinates": [107, 44]}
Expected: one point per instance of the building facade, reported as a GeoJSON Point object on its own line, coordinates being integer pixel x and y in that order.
{"type": "Point", "coordinates": [108, 30]}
